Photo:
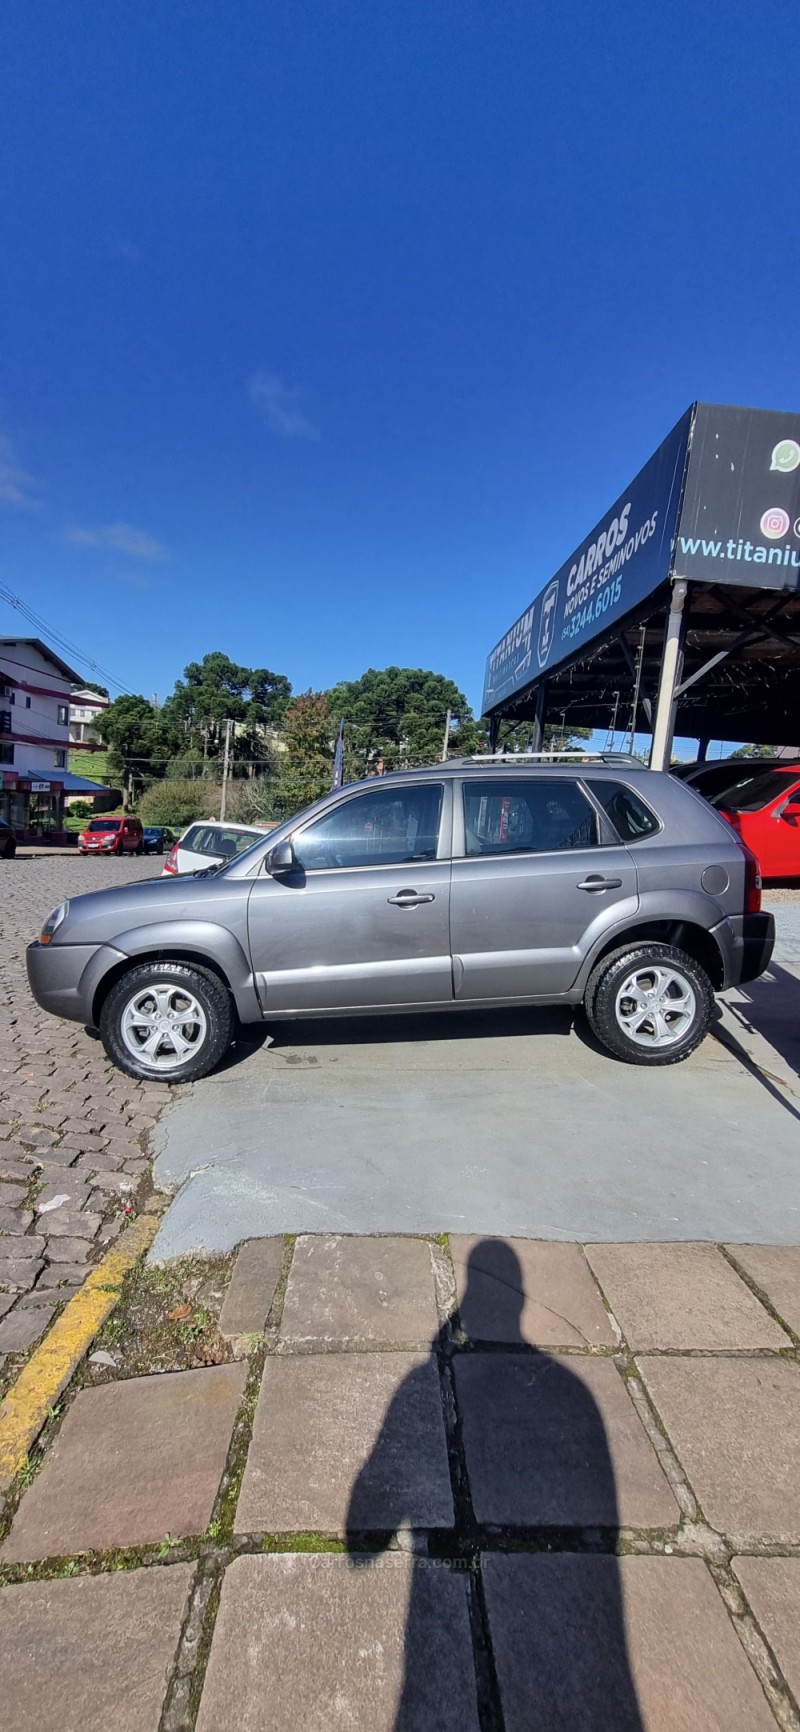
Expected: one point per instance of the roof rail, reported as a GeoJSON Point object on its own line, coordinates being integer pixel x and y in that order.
{"type": "Point", "coordinates": [573, 756]}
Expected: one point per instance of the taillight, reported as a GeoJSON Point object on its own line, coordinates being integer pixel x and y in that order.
{"type": "Point", "coordinates": [171, 862]}
{"type": "Point", "coordinates": [752, 880]}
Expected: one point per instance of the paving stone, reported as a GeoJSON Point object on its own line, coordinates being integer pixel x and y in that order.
{"type": "Point", "coordinates": [557, 1443]}
{"type": "Point", "coordinates": [133, 1461]}
{"type": "Point", "coordinates": [19, 1273]}
{"type": "Point", "coordinates": [40, 1296]}
{"type": "Point", "coordinates": [776, 1270]}
{"type": "Point", "coordinates": [683, 1296]}
{"type": "Point", "coordinates": [347, 1443]}
{"type": "Point", "coordinates": [6, 1302]}
{"type": "Point", "coordinates": [15, 1221]}
{"type": "Point", "coordinates": [311, 1642]}
{"type": "Point", "coordinates": [772, 1586]}
{"type": "Point", "coordinates": [66, 1250]}
{"type": "Point", "coordinates": [14, 1194]}
{"type": "Point", "coordinates": [20, 1248]}
{"type": "Point", "coordinates": [69, 1223]}
{"type": "Point", "coordinates": [350, 1292]}
{"type": "Point", "coordinates": [251, 1288]}
{"type": "Point", "coordinates": [22, 1327]}
{"type": "Point", "coordinates": [14, 1162]}
{"type": "Point", "coordinates": [595, 1643]}
{"type": "Point", "coordinates": [528, 1290]}
{"type": "Point", "coordinates": [114, 1184]}
{"type": "Point", "coordinates": [72, 1187]}
{"type": "Point", "coordinates": [37, 1136]}
{"type": "Point", "coordinates": [91, 1653]}
{"type": "Point", "coordinates": [735, 1427]}
{"type": "Point", "coordinates": [54, 1274]}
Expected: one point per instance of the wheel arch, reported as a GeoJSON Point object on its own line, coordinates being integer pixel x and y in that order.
{"type": "Point", "coordinates": [685, 935]}
{"type": "Point", "coordinates": [201, 946]}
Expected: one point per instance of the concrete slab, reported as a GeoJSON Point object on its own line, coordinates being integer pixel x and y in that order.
{"type": "Point", "coordinates": [557, 1443]}
{"type": "Point", "coordinates": [347, 1443]}
{"type": "Point", "coordinates": [479, 1122]}
{"type": "Point", "coordinates": [311, 1642]}
{"type": "Point", "coordinates": [735, 1427]}
{"type": "Point", "coordinates": [776, 1270]}
{"type": "Point", "coordinates": [91, 1653]}
{"type": "Point", "coordinates": [772, 1587]}
{"type": "Point", "coordinates": [593, 1642]}
{"type": "Point", "coordinates": [525, 1289]}
{"type": "Point", "coordinates": [251, 1288]}
{"type": "Point", "coordinates": [133, 1461]}
{"type": "Point", "coordinates": [681, 1296]}
{"type": "Point", "coordinates": [346, 1292]}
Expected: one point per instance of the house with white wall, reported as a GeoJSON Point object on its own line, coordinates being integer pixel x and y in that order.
{"type": "Point", "coordinates": [35, 692]}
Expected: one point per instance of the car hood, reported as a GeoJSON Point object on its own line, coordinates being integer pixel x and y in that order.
{"type": "Point", "coordinates": [99, 915]}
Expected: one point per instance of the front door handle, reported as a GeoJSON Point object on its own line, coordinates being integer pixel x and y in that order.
{"type": "Point", "coordinates": [596, 882]}
{"type": "Point", "coordinates": [411, 898]}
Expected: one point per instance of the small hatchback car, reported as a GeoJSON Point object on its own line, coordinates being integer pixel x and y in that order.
{"type": "Point", "coordinates": [475, 883]}
{"type": "Point", "coordinates": [112, 836]}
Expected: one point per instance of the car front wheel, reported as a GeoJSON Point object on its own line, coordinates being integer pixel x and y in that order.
{"type": "Point", "coordinates": [649, 1004]}
{"type": "Point", "coordinates": [167, 1022]}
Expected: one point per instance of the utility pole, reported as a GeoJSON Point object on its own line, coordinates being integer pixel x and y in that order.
{"type": "Point", "coordinates": [446, 740]}
{"type": "Point", "coordinates": [225, 769]}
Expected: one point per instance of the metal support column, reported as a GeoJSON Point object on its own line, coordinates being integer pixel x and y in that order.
{"type": "Point", "coordinates": [537, 737]}
{"type": "Point", "coordinates": [702, 751]}
{"type": "Point", "coordinates": [672, 662]}
{"type": "Point", "coordinates": [494, 729]}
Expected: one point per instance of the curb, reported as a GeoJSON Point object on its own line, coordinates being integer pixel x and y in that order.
{"type": "Point", "coordinates": [52, 1363]}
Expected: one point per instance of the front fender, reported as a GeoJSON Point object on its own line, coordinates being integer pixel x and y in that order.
{"type": "Point", "coordinates": [202, 939]}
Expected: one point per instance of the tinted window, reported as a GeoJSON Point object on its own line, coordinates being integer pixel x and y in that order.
{"type": "Point", "coordinates": [105, 824]}
{"type": "Point", "coordinates": [390, 827]}
{"type": "Point", "coordinates": [526, 817]}
{"type": "Point", "coordinates": [629, 815]}
{"type": "Point", "coordinates": [760, 792]}
{"type": "Point", "coordinates": [221, 844]}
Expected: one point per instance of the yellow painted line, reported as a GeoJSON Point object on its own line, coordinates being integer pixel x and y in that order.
{"type": "Point", "coordinates": [52, 1363]}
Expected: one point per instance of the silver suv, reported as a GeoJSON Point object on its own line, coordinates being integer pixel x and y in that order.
{"type": "Point", "coordinates": [471, 884]}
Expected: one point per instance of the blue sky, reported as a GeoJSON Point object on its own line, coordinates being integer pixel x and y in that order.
{"type": "Point", "coordinates": [330, 328]}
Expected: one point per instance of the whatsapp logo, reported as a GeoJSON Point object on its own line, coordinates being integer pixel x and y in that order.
{"type": "Point", "coordinates": [786, 456]}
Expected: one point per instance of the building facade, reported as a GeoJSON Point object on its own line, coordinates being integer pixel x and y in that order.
{"type": "Point", "coordinates": [84, 709]}
{"type": "Point", "coordinates": [35, 694]}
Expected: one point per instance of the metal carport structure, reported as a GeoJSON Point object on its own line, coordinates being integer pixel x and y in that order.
{"type": "Point", "coordinates": [680, 611]}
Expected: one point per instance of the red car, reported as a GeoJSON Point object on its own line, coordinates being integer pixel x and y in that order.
{"type": "Point", "coordinates": [766, 814]}
{"type": "Point", "coordinates": [112, 836]}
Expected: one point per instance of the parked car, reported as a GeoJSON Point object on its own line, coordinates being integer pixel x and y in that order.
{"type": "Point", "coordinates": [8, 840]}
{"type": "Point", "coordinates": [766, 814]}
{"type": "Point", "coordinates": [157, 837]}
{"type": "Point", "coordinates": [715, 778]}
{"type": "Point", "coordinates": [112, 836]}
{"type": "Point", "coordinates": [209, 844]}
{"type": "Point", "coordinates": [469, 884]}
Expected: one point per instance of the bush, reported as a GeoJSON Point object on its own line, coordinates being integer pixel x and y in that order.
{"type": "Point", "coordinates": [80, 809]}
{"type": "Point", "coordinates": [178, 803]}
{"type": "Point", "coordinates": [250, 800]}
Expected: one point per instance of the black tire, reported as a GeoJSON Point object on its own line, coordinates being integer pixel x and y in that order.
{"type": "Point", "coordinates": [603, 987]}
{"type": "Point", "coordinates": [204, 986]}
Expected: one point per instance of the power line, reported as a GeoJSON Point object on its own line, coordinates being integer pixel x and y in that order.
{"type": "Point", "coordinates": [57, 638]}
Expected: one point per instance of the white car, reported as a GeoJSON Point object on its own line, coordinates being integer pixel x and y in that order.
{"type": "Point", "coordinates": [209, 843]}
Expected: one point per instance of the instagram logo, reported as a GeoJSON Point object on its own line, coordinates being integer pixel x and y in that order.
{"type": "Point", "coordinates": [775, 523]}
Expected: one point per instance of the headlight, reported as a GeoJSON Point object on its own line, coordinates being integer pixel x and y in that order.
{"type": "Point", "coordinates": [53, 922]}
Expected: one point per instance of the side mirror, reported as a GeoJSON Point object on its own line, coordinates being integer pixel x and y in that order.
{"type": "Point", "coordinates": [791, 812]}
{"type": "Point", "coordinates": [281, 859]}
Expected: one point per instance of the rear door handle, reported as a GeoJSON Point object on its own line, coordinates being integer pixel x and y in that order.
{"type": "Point", "coordinates": [595, 882]}
{"type": "Point", "coordinates": [411, 898]}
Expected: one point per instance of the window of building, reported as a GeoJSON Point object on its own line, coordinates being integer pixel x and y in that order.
{"type": "Point", "coordinates": [6, 753]}
{"type": "Point", "coordinates": [388, 828]}
{"type": "Point", "coordinates": [631, 818]}
{"type": "Point", "coordinates": [5, 721]}
{"type": "Point", "coordinates": [27, 703]}
{"type": "Point", "coordinates": [11, 696]}
{"type": "Point", "coordinates": [510, 816]}
{"type": "Point", "coordinates": [60, 760]}
{"type": "Point", "coordinates": [63, 715]}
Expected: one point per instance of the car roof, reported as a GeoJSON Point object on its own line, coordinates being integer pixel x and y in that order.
{"type": "Point", "coordinates": [222, 824]}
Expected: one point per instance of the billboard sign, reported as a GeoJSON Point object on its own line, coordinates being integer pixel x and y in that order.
{"type": "Point", "coordinates": [740, 522]}
{"type": "Point", "coordinates": [626, 556]}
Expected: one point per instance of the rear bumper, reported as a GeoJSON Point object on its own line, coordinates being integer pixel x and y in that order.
{"type": "Point", "coordinates": [758, 943]}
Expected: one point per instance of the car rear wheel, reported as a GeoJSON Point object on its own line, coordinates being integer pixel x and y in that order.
{"type": "Point", "coordinates": [167, 1022]}
{"type": "Point", "coordinates": [649, 1004]}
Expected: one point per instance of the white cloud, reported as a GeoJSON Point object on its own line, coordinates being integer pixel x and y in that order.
{"type": "Point", "coordinates": [281, 406]}
{"type": "Point", "coordinates": [122, 538]}
{"type": "Point", "coordinates": [17, 488]}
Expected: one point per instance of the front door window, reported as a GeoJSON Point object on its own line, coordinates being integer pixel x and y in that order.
{"type": "Point", "coordinates": [388, 827]}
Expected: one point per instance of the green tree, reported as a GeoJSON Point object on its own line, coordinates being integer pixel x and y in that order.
{"type": "Point", "coordinates": [216, 690]}
{"type": "Point", "coordinates": [754, 752]}
{"type": "Point", "coordinates": [306, 763]}
{"type": "Point", "coordinates": [399, 715]}
{"type": "Point", "coordinates": [139, 738]}
{"type": "Point", "coordinates": [92, 686]}
{"type": "Point", "coordinates": [178, 803]}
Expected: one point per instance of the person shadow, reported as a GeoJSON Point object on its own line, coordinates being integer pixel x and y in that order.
{"type": "Point", "coordinates": [534, 1536]}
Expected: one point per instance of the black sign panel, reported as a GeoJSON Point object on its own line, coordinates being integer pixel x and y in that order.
{"type": "Point", "coordinates": [740, 521]}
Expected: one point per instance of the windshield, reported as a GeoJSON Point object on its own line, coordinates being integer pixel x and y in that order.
{"type": "Point", "coordinates": [105, 824]}
{"type": "Point", "coordinates": [760, 792]}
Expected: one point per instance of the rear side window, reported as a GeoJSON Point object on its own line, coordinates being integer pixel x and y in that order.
{"type": "Point", "coordinates": [516, 816]}
{"type": "Point", "coordinates": [631, 818]}
{"type": "Point", "coordinates": [219, 843]}
{"type": "Point", "coordinates": [761, 791]}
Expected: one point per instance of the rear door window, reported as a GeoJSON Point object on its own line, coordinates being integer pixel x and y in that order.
{"type": "Point", "coordinates": [631, 818]}
{"type": "Point", "coordinates": [760, 792]}
{"type": "Point", "coordinates": [526, 816]}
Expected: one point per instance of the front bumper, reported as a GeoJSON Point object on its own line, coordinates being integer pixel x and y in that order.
{"type": "Point", "coordinates": [64, 977]}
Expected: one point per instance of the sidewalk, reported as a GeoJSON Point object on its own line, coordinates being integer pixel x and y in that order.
{"type": "Point", "coordinates": [422, 1484]}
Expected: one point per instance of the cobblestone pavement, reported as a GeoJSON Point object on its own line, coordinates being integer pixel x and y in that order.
{"type": "Point", "coordinates": [465, 1484]}
{"type": "Point", "coordinates": [73, 1129]}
